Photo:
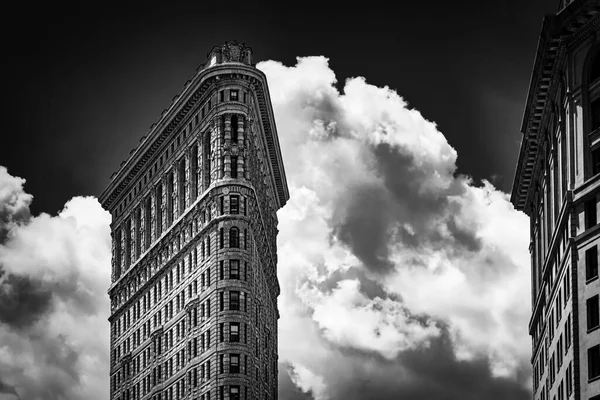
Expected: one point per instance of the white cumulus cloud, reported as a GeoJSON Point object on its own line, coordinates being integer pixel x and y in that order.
{"type": "Point", "coordinates": [383, 246]}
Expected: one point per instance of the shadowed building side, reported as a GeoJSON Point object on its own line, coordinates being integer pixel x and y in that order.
{"type": "Point", "coordinates": [194, 227]}
{"type": "Point", "coordinates": [557, 184]}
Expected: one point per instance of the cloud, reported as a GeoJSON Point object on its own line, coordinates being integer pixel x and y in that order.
{"type": "Point", "coordinates": [388, 258]}
{"type": "Point", "coordinates": [307, 381]}
{"type": "Point", "coordinates": [54, 272]}
{"type": "Point", "coordinates": [14, 202]}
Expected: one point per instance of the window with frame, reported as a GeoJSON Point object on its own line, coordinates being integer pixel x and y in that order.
{"type": "Point", "coordinates": [593, 313]}
{"type": "Point", "coordinates": [234, 269]}
{"type": "Point", "coordinates": [234, 363]}
{"type": "Point", "coordinates": [234, 204]}
{"type": "Point", "coordinates": [234, 331]}
{"type": "Point", "coordinates": [234, 165]}
{"type": "Point", "coordinates": [234, 300]}
{"type": "Point", "coordinates": [233, 95]}
{"type": "Point", "coordinates": [234, 392]}
{"type": "Point", "coordinates": [234, 237]}
{"type": "Point", "coordinates": [590, 213]}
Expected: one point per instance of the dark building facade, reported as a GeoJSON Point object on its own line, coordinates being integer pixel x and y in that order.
{"type": "Point", "coordinates": [557, 184]}
{"type": "Point", "coordinates": [194, 226]}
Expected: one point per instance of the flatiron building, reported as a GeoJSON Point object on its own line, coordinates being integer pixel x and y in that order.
{"type": "Point", "coordinates": [194, 280]}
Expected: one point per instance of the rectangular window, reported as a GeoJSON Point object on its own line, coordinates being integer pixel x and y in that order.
{"type": "Point", "coordinates": [593, 313]}
{"type": "Point", "coordinates": [234, 204]}
{"type": "Point", "coordinates": [234, 331]}
{"type": "Point", "coordinates": [594, 362]}
{"type": "Point", "coordinates": [234, 363]}
{"type": "Point", "coordinates": [221, 363]}
{"type": "Point", "coordinates": [221, 332]}
{"type": "Point", "coordinates": [221, 270]}
{"type": "Point", "coordinates": [234, 300]}
{"type": "Point", "coordinates": [590, 213]}
{"type": "Point", "coordinates": [591, 263]}
{"type": "Point", "coordinates": [234, 269]}
{"type": "Point", "coordinates": [222, 205]}
{"type": "Point", "coordinates": [221, 96]}
{"type": "Point", "coordinates": [233, 95]}
{"type": "Point", "coordinates": [221, 301]}
{"type": "Point", "coordinates": [234, 165]}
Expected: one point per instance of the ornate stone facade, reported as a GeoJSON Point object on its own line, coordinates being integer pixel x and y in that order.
{"type": "Point", "coordinates": [194, 267]}
{"type": "Point", "coordinates": [557, 184]}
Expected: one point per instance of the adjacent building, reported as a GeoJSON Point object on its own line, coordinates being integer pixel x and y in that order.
{"type": "Point", "coordinates": [194, 226]}
{"type": "Point", "coordinates": [557, 184]}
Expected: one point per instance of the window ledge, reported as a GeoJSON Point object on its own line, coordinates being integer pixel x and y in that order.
{"type": "Point", "coordinates": [592, 329]}
{"type": "Point", "coordinates": [594, 379]}
{"type": "Point", "coordinates": [592, 279]}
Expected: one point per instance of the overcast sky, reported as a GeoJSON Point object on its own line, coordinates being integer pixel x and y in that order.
{"type": "Point", "coordinates": [398, 170]}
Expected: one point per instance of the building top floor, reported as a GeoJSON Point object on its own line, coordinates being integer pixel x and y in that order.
{"type": "Point", "coordinates": [234, 62]}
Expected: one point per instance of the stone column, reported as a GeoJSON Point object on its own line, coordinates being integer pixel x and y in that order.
{"type": "Point", "coordinates": [240, 130]}
{"type": "Point", "coordinates": [240, 166]}
{"type": "Point", "coordinates": [114, 258]}
{"type": "Point", "coordinates": [152, 222]}
{"type": "Point", "coordinates": [228, 129]}
{"type": "Point", "coordinates": [217, 153]}
{"type": "Point", "coordinates": [187, 189]}
{"type": "Point", "coordinates": [163, 205]}
{"type": "Point", "coordinates": [122, 250]}
{"type": "Point", "coordinates": [175, 194]}
{"type": "Point", "coordinates": [142, 233]}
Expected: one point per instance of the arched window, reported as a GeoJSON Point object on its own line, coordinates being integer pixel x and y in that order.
{"type": "Point", "coordinates": [234, 237]}
{"type": "Point", "coordinates": [234, 128]}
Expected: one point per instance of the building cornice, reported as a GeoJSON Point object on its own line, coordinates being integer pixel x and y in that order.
{"type": "Point", "coordinates": [564, 30]}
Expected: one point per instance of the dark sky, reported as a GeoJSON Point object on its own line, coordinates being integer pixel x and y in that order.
{"type": "Point", "coordinates": [84, 82]}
